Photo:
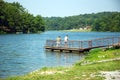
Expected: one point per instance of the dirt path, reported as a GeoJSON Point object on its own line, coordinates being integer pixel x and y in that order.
{"type": "Point", "coordinates": [107, 60]}
{"type": "Point", "coordinates": [111, 75]}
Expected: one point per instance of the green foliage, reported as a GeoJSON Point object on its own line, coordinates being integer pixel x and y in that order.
{"type": "Point", "coordinates": [14, 18]}
{"type": "Point", "coordinates": [99, 54]}
{"type": "Point", "coordinates": [104, 21]}
{"type": "Point", "coordinates": [107, 22]}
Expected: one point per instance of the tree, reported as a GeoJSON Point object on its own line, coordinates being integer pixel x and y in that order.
{"type": "Point", "coordinates": [14, 18]}
{"type": "Point", "coordinates": [103, 21]}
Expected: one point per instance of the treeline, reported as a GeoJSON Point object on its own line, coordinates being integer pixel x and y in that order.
{"type": "Point", "coordinates": [15, 18]}
{"type": "Point", "coordinates": [104, 21]}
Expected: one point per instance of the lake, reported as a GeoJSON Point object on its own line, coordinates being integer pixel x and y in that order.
{"type": "Point", "coordinates": [24, 53]}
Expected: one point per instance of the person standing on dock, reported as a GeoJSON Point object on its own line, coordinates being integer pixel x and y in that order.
{"type": "Point", "coordinates": [58, 41]}
{"type": "Point", "coordinates": [66, 41]}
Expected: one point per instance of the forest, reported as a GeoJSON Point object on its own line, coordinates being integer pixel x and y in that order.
{"type": "Point", "coordinates": [103, 21]}
{"type": "Point", "coordinates": [14, 18]}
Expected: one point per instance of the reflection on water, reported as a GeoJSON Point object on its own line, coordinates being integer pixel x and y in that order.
{"type": "Point", "coordinates": [62, 58]}
{"type": "Point", "coordinates": [23, 53]}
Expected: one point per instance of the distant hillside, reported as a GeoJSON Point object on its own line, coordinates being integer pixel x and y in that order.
{"type": "Point", "coordinates": [104, 21]}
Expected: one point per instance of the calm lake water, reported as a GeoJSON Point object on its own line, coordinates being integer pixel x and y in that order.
{"type": "Point", "coordinates": [23, 53]}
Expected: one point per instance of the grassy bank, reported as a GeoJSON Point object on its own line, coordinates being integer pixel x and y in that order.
{"type": "Point", "coordinates": [87, 69]}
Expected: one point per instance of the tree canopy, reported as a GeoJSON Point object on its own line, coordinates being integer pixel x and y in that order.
{"type": "Point", "coordinates": [15, 18]}
{"type": "Point", "coordinates": [103, 21]}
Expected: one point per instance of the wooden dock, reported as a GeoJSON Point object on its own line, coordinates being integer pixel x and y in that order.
{"type": "Point", "coordinates": [82, 46]}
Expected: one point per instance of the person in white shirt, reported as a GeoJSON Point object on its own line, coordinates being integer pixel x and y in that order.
{"type": "Point", "coordinates": [66, 41]}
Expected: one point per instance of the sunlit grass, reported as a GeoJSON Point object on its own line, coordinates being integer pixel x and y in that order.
{"type": "Point", "coordinates": [99, 54]}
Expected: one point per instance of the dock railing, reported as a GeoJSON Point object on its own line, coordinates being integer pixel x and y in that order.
{"type": "Point", "coordinates": [95, 43]}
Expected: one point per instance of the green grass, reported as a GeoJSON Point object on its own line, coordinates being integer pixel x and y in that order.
{"type": "Point", "coordinates": [78, 72]}
{"type": "Point", "coordinates": [99, 54]}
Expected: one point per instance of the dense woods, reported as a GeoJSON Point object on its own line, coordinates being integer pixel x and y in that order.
{"type": "Point", "coordinates": [14, 18]}
{"type": "Point", "coordinates": [104, 21]}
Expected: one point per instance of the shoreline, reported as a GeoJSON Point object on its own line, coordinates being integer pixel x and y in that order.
{"type": "Point", "coordinates": [102, 61]}
{"type": "Point", "coordinates": [77, 30]}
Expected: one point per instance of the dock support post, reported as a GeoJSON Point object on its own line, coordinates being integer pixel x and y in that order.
{"type": "Point", "coordinates": [52, 50]}
{"type": "Point", "coordinates": [70, 51]}
{"type": "Point", "coordinates": [61, 50]}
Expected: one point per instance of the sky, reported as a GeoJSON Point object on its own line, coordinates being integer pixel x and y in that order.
{"type": "Point", "coordinates": [64, 8]}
